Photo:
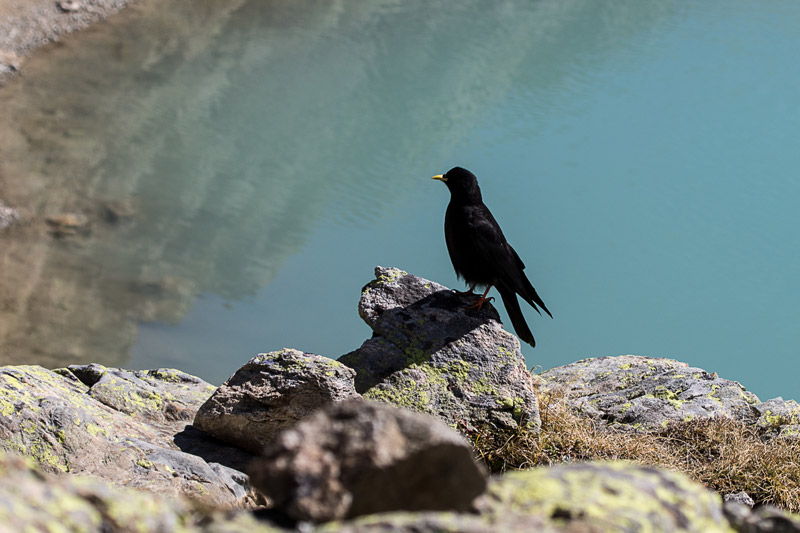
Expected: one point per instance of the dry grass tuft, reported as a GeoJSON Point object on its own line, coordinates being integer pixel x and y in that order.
{"type": "Point", "coordinates": [725, 455]}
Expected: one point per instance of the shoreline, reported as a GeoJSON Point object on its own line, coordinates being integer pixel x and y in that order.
{"type": "Point", "coordinates": [27, 25]}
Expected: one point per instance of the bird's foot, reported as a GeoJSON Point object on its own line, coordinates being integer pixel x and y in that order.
{"type": "Point", "coordinates": [470, 291]}
{"type": "Point", "coordinates": [477, 305]}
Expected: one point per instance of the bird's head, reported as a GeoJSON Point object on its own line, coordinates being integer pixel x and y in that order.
{"type": "Point", "coordinates": [462, 183]}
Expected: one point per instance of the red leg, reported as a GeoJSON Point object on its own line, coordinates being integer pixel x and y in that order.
{"type": "Point", "coordinates": [477, 305]}
{"type": "Point", "coordinates": [470, 291]}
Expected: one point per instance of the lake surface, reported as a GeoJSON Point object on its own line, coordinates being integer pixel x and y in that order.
{"type": "Point", "coordinates": [641, 156]}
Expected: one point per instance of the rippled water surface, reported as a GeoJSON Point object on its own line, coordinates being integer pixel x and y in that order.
{"type": "Point", "coordinates": [243, 165]}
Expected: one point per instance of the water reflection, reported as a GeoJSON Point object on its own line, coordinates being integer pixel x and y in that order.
{"type": "Point", "coordinates": [228, 131]}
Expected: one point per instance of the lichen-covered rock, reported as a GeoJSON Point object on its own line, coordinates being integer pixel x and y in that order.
{"type": "Point", "coordinates": [423, 522]}
{"type": "Point", "coordinates": [128, 438]}
{"type": "Point", "coordinates": [356, 458]}
{"type": "Point", "coordinates": [613, 496]}
{"type": "Point", "coordinates": [646, 393]}
{"type": "Point", "coordinates": [431, 354]}
{"type": "Point", "coordinates": [779, 417]}
{"type": "Point", "coordinates": [271, 393]}
{"type": "Point", "coordinates": [165, 396]}
{"type": "Point", "coordinates": [32, 500]}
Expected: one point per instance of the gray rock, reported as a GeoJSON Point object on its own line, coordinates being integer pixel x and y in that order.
{"type": "Point", "coordinates": [32, 500]}
{"type": "Point", "coordinates": [431, 354]}
{"type": "Point", "coordinates": [779, 417]}
{"type": "Point", "coordinates": [356, 458]}
{"type": "Point", "coordinates": [449, 522]}
{"type": "Point", "coordinates": [764, 519]}
{"type": "Point", "coordinates": [7, 215]}
{"type": "Point", "coordinates": [271, 393]}
{"type": "Point", "coordinates": [115, 425]}
{"type": "Point", "coordinates": [740, 497]}
{"type": "Point", "coordinates": [646, 393]}
{"type": "Point", "coordinates": [606, 496]}
{"type": "Point", "coordinates": [165, 396]}
{"type": "Point", "coordinates": [35, 501]}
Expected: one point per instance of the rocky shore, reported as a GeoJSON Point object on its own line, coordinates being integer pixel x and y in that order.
{"type": "Point", "coordinates": [433, 424]}
{"type": "Point", "coordinates": [27, 24]}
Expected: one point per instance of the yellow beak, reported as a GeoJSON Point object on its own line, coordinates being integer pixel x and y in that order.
{"type": "Point", "coordinates": [439, 177]}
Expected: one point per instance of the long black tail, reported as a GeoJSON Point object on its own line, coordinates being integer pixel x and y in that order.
{"type": "Point", "coordinates": [515, 314]}
{"type": "Point", "coordinates": [530, 295]}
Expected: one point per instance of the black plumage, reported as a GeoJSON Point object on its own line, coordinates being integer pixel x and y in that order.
{"type": "Point", "coordinates": [480, 253]}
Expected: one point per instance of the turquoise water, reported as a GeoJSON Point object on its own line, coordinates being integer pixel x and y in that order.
{"type": "Point", "coordinates": [640, 155]}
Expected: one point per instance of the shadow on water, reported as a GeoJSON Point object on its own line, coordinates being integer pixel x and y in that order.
{"type": "Point", "coordinates": [204, 142]}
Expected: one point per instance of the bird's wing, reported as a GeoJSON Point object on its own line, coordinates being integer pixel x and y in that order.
{"type": "Point", "coordinates": [490, 242]}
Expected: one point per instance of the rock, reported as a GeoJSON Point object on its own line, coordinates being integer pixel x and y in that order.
{"type": "Point", "coordinates": [165, 396]}
{"type": "Point", "coordinates": [70, 6]}
{"type": "Point", "coordinates": [117, 211]}
{"type": "Point", "coordinates": [646, 393]}
{"type": "Point", "coordinates": [9, 62]}
{"type": "Point", "coordinates": [356, 458]}
{"type": "Point", "coordinates": [7, 215]}
{"type": "Point", "coordinates": [612, 496]}
{"type": "Point", "coordinates": [779, 417]}
{"type": "Point", "coordinates": [115, 425]}
{"type": "Point", "coordinates": [740, 497]}
{"type": "Point", "coordinates": [271, 393]}
{"type": "Point", "coordinates": [400, 522]}
{"type": "Point", "coordinates": [33, 501]}
{"type": "Point", "coordinates": [431, 354]}
{"type": "Point", "coordinates": [68, 224]}
{"type": "Point", "coordinates": [764, 519]}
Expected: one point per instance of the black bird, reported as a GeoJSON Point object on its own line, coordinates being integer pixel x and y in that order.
{"type": "Point", "coordinates": [480, 253]}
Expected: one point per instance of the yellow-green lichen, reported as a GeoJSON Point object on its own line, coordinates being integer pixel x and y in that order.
{"type": "Point", "coordinates": [610, 497]}
{"type": "Point", "coordinates": [6, 408]}
{"type": "Point", "coordinates": [390, 276]}
{"type": "Point", "coordinates": [43, 452]}
{"type": "Point", "coordinates": [713, 394]}
{"type": "Point", "coordinates": [95, 430]}
{"type": "Point", "coordinates": [505, 352]}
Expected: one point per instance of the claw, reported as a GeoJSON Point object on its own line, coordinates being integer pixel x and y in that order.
{"type": "Point", "coordinates": [477, 305]}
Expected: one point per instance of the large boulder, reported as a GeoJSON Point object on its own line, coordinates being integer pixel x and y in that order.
{"type": "Point", "coordinates": [647, 393]}
{"type": "Point", "coordinates": [271, 393]}
{"type": "Point", "coordinates": [32, 500]}
{"type": "Point", "coordinates": [115, 425]}
{"type": "Point", "coordinates": [606, 496]}
{"type": "Point", "coordinates": [431, 354]}
{"type": "Point", "coordinates": [356, 458]}
{"type": "Point", "coordinates": [577, 498]}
